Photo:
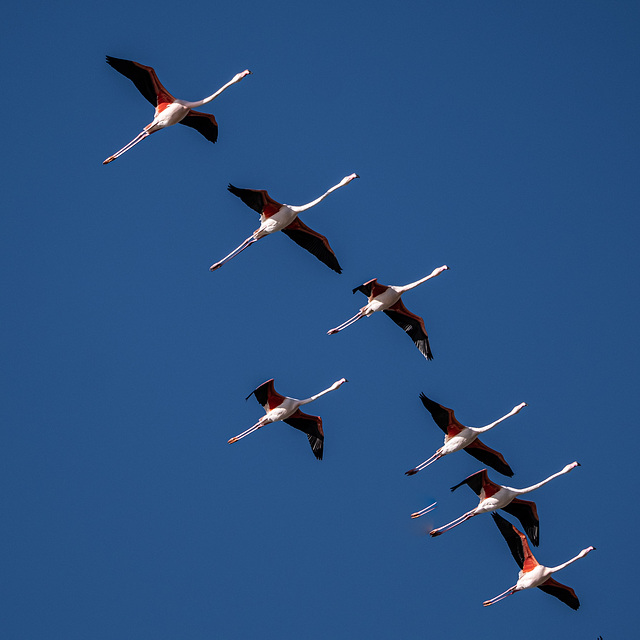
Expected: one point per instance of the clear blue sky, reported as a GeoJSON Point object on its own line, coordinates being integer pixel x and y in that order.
{"type": "Point", "coordinates": [500, 138]}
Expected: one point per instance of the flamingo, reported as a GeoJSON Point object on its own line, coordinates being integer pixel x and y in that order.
{"type": "Point", "coordinates": [278, 407]}
{"type": "Point", "coordinates": [457, 437]}
{"type": "Point", "coordinates": [284, 217]}
{"type": "Point", "coordinates": [387, 298]}
{"type": "Point", "coordinates": [533, 574]}
{"type": "Point", "coordinates": [495, 496]}
{"type": "Point", "coordinates": [169, 110]}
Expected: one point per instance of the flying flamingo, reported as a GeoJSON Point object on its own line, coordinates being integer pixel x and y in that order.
{"type": "Point", "coordinates": [279, 407]}
{"type": "Point", "coordinates": [457, 437]}
{"type": "Point", "coordinates": [495, 496]}
{"type": "Point", "coordinates": [169, 110]}
{"type": "Point", "coordinates": [284, 217]}
{"type": "Point", "coordinates": [531, 573]}
{"type": "Point", "coordinates": [387, 298]}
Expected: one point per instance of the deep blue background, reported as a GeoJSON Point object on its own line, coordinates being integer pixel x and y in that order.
{"type": "Point", "coordinates": [499, 138]}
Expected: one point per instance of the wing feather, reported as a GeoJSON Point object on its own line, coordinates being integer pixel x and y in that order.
{"type": "Point", "coordinates": [313, 242]}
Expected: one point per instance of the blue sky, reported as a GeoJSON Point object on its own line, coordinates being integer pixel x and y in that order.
{"type": "Point", "coordinates": [499, 138]}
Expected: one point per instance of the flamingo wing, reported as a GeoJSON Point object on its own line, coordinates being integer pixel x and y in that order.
{"type": "Point", "coordinates": [488, 456]}
{"type": "Point", "coordinates": [478, 482]}
{"type": "Point", "coordinates": [513, 538]}
{"type": "Point", "coordinates": [203, 123]}
{"type": "Point", "coordinates": [144, 78]}
{"type": "Point", "coordinates": [257, 199]}
{"type": "Point", "coordinates": [366, 287]}
{"type": "Point", "coordinates": [527, 513]}
{"type": "Point", "coordinates": [312, 426]}
{"type": "Point", "coordinates": [442, 416]}
{"type": "Point", "coordinates": [313, 242]}
{"type": "Point", "coordinates": [267, 396]}
{"type": "Point", "coordinates": [561, 591]}
{"type": "Point", "coordinates": [413, 325]}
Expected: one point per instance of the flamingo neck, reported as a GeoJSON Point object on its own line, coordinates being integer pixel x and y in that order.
{"type": "Point", "coordinates": [582, 554]}
{"type": "Point", "coordinates": [313, 203]}
{"type": "Point", "coordinates": [417, 283]}
{"type": "Point", "coordinates": [333, 387]}
{"type": "Point", "coordinates": [533, 487]}
{"type": "Point", "coordinates": [497, 422]}
{"type": "Point", "coordinates": [213, 96]}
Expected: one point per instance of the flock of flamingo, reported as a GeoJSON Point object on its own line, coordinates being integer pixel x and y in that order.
{"type": "Point", "coordinates": [275, 216]}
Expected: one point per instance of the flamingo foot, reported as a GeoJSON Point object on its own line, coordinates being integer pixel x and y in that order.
{"type": "Point", "coordinates": [232, 440]}
{"type": "Point", "coordinates": [411, 472]}
{"type": "Point", "coordinates": [215, 266]}
{"type": "Point", "coordinates": [108, 160]}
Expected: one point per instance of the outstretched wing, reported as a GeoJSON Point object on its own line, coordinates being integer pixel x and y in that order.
{"type": "Point", "coordinates": [144, 78]}
{"type": "Point", "coordinates": [203, 123]}
{"type": "Point", "coordinates": [562, 592]}
{"type": "Point", "coordinates": [413, 325]}
{"type": "Point", "coordinates": [313, 242]}
{"type": "Point", "coordinates": [257, 199]}
{"type": "Point", "coordinates": [479, 482]}
{"type": "Point", "coordinates": [527, 513]}
{"type": "Point", "coordinates": [267, 396]}
{"type": "Point", "coordinates": [312, 426]}
{"type": "Point", "coordinates": [366, 287]}
{"type": "Point", "coordinates": [488, 456]}
{"type": "Point", "coordinates": [442, 416]}
{"type": "Point", "coordinates": [513, 538]}
{"type": "Point", "coordinates": [371, 289]}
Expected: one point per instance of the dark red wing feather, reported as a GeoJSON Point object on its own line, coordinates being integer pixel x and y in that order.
{"type": "Point", "coordinates": [442, 416]}
{"type": "Point", "coordinates": [562, 592]}
{"type": "Point", "coordinates": [413, 325]}
{"type": "Point", "coordinates": [312, 426]}
{"type": "Point", "coordinates": [489, 457]}
{"type": "Point", "coordinates": [513, 538]}
{"type": "Point", "coordinates": [313, 242]}
{"type": "Point", "coordinates": [144, 78]}
{"type": "Point", "coordinates": [267, 396]}
{"type": "Point", "coordinates": [366, 287]}
{"type": "Point", "coordinates": [479, 482]}
{"type": "Point", "coordinates": [257, 199]}
{"type": "Point", "coordinates": [203, 123]}
{"type": "Point", "coordinates": [527, 513]}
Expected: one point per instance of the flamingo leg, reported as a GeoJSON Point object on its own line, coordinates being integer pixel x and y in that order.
{"type": "Point", "coordinates": [141, 136]}
{"type": "Point", "coordinates": [423, 465]}
{"type": "Point", "coordinates": [454, 523]}
{"type": "Point", "coordinates": [502, 596]}
{"type": "Point", "coordinates": [344, 325]}
{"type": "Point", "coordinates": [255, 427]}
{"type": "Point", "coordinates": [248, 242]}
{"type": "Point", "coordinates": [424, 511]}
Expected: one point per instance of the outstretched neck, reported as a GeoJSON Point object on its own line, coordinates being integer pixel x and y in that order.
{"type": "Point", "coordinates": [582, 554]}
{"type": "Point", "coordinates": [342, 183]}
{"type": "Point", "coordinates": [333, 387]}
{"type": "Point", "coordinates": [417, 283]}
{"type": "Point", "coordinates": [497, 422]}
{"type": "Point", "coordinates": [533, 487]}
{"type": "Point", "coordinates": [213, 96]}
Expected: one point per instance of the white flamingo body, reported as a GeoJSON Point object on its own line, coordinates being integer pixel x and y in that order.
{"type": "Point", "coordinates": [494, 496]}
{"type": "Point", "coordinates": [278, 221]}
{"type": "Point", "coordinates": [532, 573]}
{"type": "Point", "coordinates": [275, 216]}
{"type": "Point", "coordinates": [282, 408]}
{"type": "Point", "coordinates": [458, 436]}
